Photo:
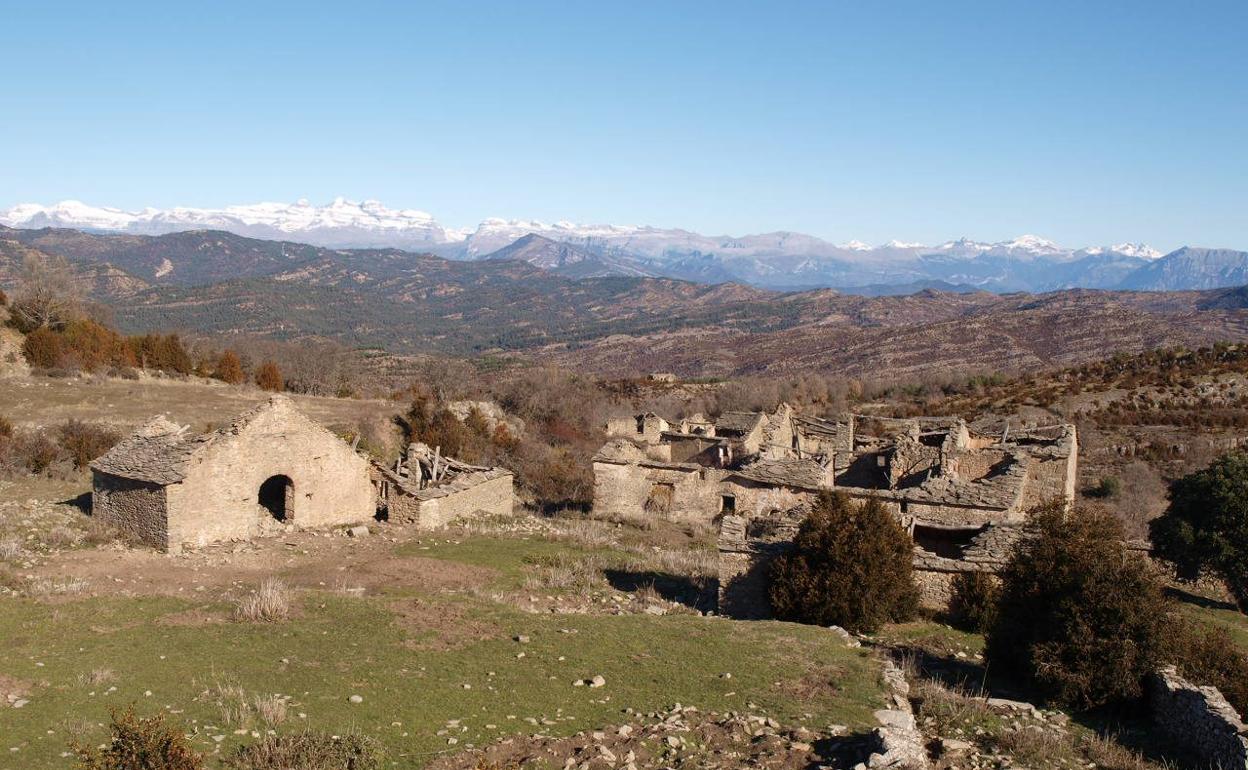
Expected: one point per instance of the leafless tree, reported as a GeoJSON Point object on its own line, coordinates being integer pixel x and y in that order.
{"type": "Point", "coordinates": [49, 294]}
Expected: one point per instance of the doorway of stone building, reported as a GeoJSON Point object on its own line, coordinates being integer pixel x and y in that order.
{"type": "Point", "coordinates": [277, 496]}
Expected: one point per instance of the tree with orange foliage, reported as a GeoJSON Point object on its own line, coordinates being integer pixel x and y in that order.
{"type": "Point", "coordinates": [269, 377]}
{"type": "Point", "coordinates": [230, 369]}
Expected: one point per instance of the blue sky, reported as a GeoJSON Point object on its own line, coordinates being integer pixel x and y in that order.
{"type": "Point", "coordinates": [1086, 122]}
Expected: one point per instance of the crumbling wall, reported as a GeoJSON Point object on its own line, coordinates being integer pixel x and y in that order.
{"type": "Point", "coordinates": [745, 560]}
{"type": "Point", "coordinates": [473, 494]}
{"type": "Point", "coordinates": [1199, 719]}
{"type": "Point", "coordinates": [218, 498]}
{"type": "Point", "coordinates": [136, 508]}
{"type": "Point", "coordinates": [622, 489]}
{"type": "Point", "coordinates": [911, 463]}
{"type": "Point", "coordinates": [755, 499]}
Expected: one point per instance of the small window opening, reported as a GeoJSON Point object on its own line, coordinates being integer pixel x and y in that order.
{"type": "Point", "coordinates": [727, 504]}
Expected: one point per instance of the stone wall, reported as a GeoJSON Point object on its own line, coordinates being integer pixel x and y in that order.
{"type": "Point", "coordinates": [745, 559]}
{"type": "Point", "coordinates": [622, 489]}
{"type": "Point", "coordinates": [217, 500]}
{"type": "Point", "coordinates": [1199, 719]}
{"type": "Point", "coordinates": [473, 494]}
{"type": "Point", "coordinates": [137, 508]}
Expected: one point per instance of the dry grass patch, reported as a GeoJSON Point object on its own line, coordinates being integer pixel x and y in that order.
{"type": "Point", "coordinates": [96, 677]}
{"type": "Point", "coordinates": [10, 549]}
{"type": "Point", "coordinates": [270, 603]}
{"type": "Point", "coordinates": [46, 587]}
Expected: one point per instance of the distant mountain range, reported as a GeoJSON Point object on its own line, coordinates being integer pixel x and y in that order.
{"type": "Point", "coordinates": [220, 284]}
{"type": "Point", "coordinates": [782, 260]}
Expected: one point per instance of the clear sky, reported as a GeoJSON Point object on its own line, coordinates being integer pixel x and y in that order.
{"type": "Point", "coordinates": [1089, 122]}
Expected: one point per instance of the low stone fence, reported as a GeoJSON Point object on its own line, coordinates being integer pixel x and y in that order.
{"type": "Point", "coordinates": [1199, 719]}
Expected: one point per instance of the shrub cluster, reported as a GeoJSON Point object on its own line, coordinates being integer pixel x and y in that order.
{"type": "Point", "coordinates": [851, 565]}
{"type": "Point", "coordinates": [1079, 619]}
{"type": "Point", "coordinates": [1210, 656]}
{"type": "Point", "coordinates": [73, 443]}
{"type": "Point", "coordinates": [552, 469]}
{"type": "Point", "coordinates": [89, 346]}
{"type": "Point", "coordinates": [975, 597]}
{"type": "Point", "coordinates": [140, 743]}
{"type": "Point", "coordinates": [1206, 525]}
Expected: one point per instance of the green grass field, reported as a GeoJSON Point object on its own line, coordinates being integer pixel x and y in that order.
{"type": "Point", "coordinates": [419, 661]}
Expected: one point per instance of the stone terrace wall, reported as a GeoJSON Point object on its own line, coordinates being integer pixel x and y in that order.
{"type": "Point", "coordinates": [1199, 719]}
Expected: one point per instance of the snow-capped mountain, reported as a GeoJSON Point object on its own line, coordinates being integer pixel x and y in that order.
{"type": "Point", "coordinates": [341, 223]}
{"type": "Point", "coordinates": [783, 260]}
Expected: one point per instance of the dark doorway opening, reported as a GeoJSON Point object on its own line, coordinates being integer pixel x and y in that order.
{"type": "Point", "coordinates": [277, 495]}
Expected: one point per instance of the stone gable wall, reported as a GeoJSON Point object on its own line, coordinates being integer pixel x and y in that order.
{"type": "Point", "coordinates": [218, 498]}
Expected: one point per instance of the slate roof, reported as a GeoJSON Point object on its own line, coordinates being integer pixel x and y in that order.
{"type": "Point", "coordinates": [160, 451]}
{"type": "Point", "coordinates": [804, 474]}
{"type": "Point", "coordinates": [738, 422]}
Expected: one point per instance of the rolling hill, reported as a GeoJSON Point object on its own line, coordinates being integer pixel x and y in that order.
{"type": "Point", "coordinates": [223, 284]}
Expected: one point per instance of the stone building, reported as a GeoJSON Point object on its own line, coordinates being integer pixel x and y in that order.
{"type": "Point", "coordinates": [429, 490]}
{"type": "Point", "coordinates": [960, 493]}
{"type": "Point", "coordinates": [270, 467]}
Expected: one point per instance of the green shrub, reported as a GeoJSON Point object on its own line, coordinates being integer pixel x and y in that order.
{"type": "Point", "coordinates": [308, 751]}
{"type": "Point", "coordinates": [1206, 525]}
{"type": "Point", "coordinates": [1081, 619]}
{"type": "Point", "coordinates": [1209, 656]}
{"type": "Point", "coordinates": [851, 565]}
{"type": "Point", "coordinates": [140, 743]}
{"type": "Point", "coordinates": [975, 597]}
{"type": "Point", "coordinates": [1109, 486]}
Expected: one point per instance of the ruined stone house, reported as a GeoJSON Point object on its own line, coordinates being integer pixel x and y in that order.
{"type": "Point", "coordinates": [961, 494]}
{"type": "Point", "coordinates": [428, 490]}
{"type": "Point", "coordinates": [272, 466]}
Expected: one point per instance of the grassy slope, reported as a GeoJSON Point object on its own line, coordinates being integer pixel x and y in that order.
{"type": "Point", "coordinates": [411, 684]}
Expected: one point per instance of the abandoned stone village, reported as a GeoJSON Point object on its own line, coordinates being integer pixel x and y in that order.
{"type": "Point", "coordinates": [961, 493]}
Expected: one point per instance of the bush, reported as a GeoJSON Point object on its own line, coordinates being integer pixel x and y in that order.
{"type": "Point", "coordinates": [229, 368]}
{"type": "Point", "coordinates": [1206, 525]}
{"type": "Point", "coordinates": [269, 377]}
{"type": "Point", "coordinates": [309, 751]}
{"type": "Point", "coordinates": [29, 451]}
{"type": "Point", "coordinates": [140, 743]}
{"type": "Point", "coordinates": [1109, 486]}
{"type": "Point", "coordinates": [44, 349]}
{"type": "Point", "coordinates": [1080, 618]}
{"type": "Point", "coordinates": [1210, 656]}
{"type": "Point", "coordinates": [6, 428]}
{"type": "Point", "coordinates": [851, 565]}
{"type": "Point", "coordinates": [84, 442]}
{"type": "Point", "coordinates": [975, 597]}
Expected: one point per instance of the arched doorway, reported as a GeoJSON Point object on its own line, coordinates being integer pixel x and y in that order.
{"type": "Point", "coordinates": [277, 496]}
